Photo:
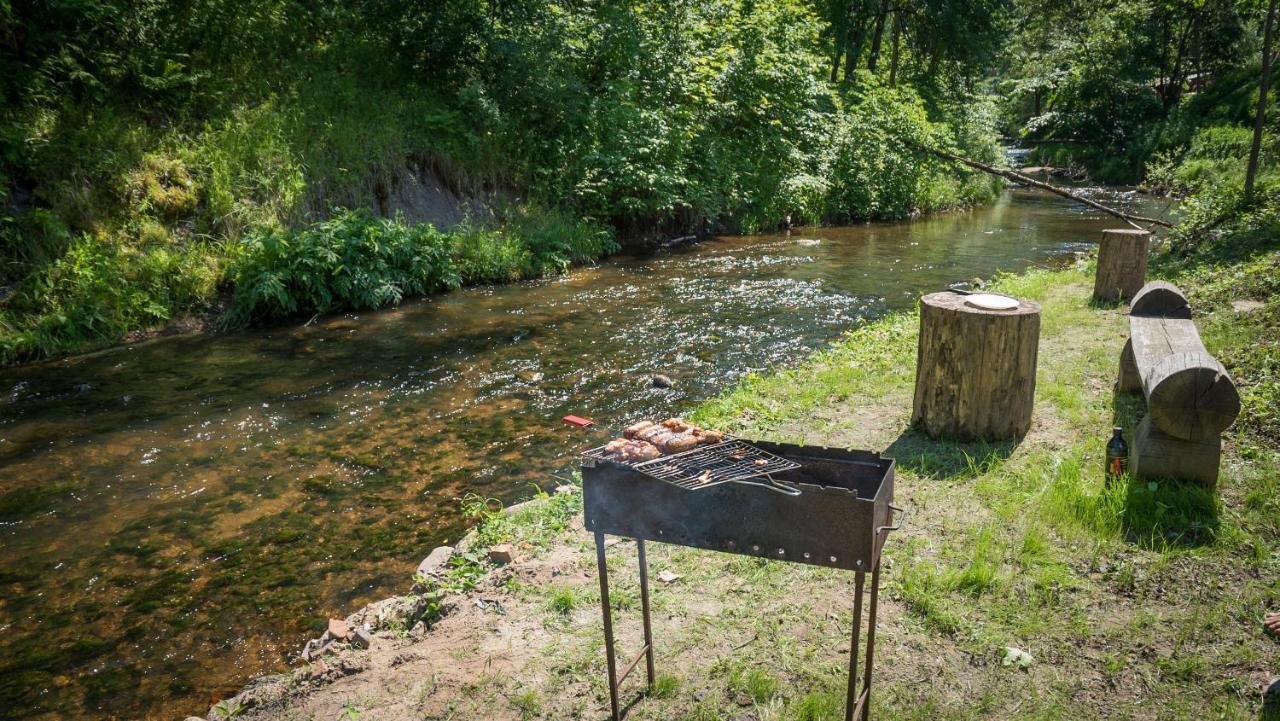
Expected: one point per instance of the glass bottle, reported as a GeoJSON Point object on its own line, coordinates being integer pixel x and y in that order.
{"type": "Point", "coordinates": [1117, 455]}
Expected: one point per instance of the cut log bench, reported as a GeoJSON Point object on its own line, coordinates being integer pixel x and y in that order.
{"type": "Point", "coordinates": [1191, 398]}
{"type": "Point", "coordinates": [1122, 264]}
{"type": "Point", "coordinates": [975, 369]}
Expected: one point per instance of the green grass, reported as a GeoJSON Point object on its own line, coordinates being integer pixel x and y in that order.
{"type": "Point", "coordinates": [529, 704]}
{"type": "Point", "coordinates": [562, 600]}
{"type": "Point", "coordinates": [1047, 530]}
{"type": "Point", "coordinates": [665, 686]}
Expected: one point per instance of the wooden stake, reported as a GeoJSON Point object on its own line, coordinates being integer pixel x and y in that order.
{"type": "Point", "coordinates": [1122, 264]}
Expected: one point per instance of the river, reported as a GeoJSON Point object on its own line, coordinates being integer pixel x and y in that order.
{"type": "Point", "coordinates": [178, 515]}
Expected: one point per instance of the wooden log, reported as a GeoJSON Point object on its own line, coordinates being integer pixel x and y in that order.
{"type": "Point", "coordinates": [1189, 394]}
{"type": "Point", "coordinates": [1156, 454]}
{"type": "Point", "coordinates": [975, 369]}
{"type": "Point", "coordinates": [1162, 299]}
{"type": "Point", "coordinates": [1129, 381]}
{"type": "Point", "coordinates": [1122, 264]}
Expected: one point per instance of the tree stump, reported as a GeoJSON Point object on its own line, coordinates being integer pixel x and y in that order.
{"type": "Point", "coordinates": [1122, 264]}
{"type": "Point", "coordinates": [975, 369]}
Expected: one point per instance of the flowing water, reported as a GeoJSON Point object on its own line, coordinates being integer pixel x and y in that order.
{"type": "Point", "coordinates": [178, 515]}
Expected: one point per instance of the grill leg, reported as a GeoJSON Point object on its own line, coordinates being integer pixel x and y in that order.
{"type": "Point", "coordinates": [644, 605]}
{"type": "Point", "coordinates": [608, 625]}
{"type": "Point", "coordinates": [871, 639]}
{"type": "Point", "coordinates": [851, 699]}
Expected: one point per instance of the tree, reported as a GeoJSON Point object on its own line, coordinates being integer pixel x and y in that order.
{"type": "Point", "coordinates": [1260, 118]}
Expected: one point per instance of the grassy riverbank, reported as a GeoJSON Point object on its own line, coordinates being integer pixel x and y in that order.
{"type": "Point", "coordinates": [1143, 600]}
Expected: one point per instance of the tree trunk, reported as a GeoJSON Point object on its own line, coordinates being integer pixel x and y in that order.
{"type": "Point", "coordinates": [1260, 118]}
{"type": "Point", "coordinates": [1122, 264]}
{"type": "Point", "coordinates": [893, 58]}
{"type": "Point", "coordinates": [1175, 82]}
{"type": "Point", "coordinates": [857, 31]}
{"type": "Point", "coordinates": [874, 58]}
{"type": "Point", "coordinates": [839, 35]}
{"type": "Point", "coordinates": [1164, 61]}
{"type": "Point", "coordinates": [975, 369]}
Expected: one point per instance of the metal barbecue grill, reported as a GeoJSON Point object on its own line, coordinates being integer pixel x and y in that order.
{"type": "Point", "coordinates": [834, 509]}
{"type": "Point", "coordinates": [706, 466]}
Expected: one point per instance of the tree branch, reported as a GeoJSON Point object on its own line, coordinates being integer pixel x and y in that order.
{"type": "Point", "coordinates": [1020, 178]}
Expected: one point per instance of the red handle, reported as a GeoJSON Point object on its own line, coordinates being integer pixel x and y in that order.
{"type": "Point", "coordinates": [579, 421]}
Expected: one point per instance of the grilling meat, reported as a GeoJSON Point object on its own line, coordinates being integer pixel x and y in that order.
{"type": "Point", "coordinates": [634, 430]}
{"type": "Point", "coordinates": [631, 451]}
{"type": "Point", "coordinates": [677, 442]}
{"type": "Point", "coordinates": [706, 437]}
{"type": "Point", "coordinates": [676, 424]}
{"type": "Point", "coordinates": [674, 435]}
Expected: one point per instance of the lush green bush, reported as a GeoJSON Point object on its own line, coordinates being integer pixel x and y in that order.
{"type": "Point", "coordinates": [98, 290]}
{"type": "Point", "coordinates": [356, 260]}
{"type": "Point", "coordinates": [554, 240]}
{"type": "Point", "coordinates": [1216, 159]}
{"type": "Point", "coordinates": [353, 260]}
{"type": "Point", "coordinates": [531, 243]}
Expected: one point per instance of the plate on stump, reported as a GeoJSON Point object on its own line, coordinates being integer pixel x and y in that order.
{"type": "Point", "coordinates": [991, 301]}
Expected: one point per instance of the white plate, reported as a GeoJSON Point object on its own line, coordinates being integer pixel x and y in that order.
{"type": "Point", "coordinates": [990, 301]}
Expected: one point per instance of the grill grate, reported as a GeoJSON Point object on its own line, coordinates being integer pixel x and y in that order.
{"type": "Point", "coordinates": [731, 460]}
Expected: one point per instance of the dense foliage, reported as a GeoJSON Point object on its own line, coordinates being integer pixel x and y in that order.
{"type": "Point", "coordinates": [212, 135]}
{"type": "Point", "coordinates": [1122, 86]}
{"type": "Point", "coordinates": [360, 261]}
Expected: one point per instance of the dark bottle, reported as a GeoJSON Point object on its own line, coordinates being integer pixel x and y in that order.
{"type": "Point", "coordinates": [1117, 455]}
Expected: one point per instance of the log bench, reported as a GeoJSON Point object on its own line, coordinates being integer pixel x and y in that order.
{"type": "Point", "coordinates": [1190, 397]}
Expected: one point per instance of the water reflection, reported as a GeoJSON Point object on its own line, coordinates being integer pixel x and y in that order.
{"type": "Point", "coordinates": [177, 515]}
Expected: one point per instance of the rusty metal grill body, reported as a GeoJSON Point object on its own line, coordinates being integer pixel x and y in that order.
{"type": "Point", "coordinates": [840, 519]}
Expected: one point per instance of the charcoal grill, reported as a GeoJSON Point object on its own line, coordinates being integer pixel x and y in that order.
{"type": "Point", "coordinates": [706, 466]}
{"type": "Point", "coordinates": [828, 507]}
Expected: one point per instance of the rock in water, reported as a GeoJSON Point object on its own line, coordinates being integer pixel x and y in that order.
{"type": "Point", "coordinates": [661, 381]}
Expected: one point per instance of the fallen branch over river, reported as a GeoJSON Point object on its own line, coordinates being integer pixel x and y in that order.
{"type": "Point", "coordinates": [1020, 178]}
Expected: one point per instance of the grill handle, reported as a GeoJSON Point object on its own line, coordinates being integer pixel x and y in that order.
{"type": "Point", "coordinates": [772, 485]}
{"type": "Point", "coordinates": [902, 513]}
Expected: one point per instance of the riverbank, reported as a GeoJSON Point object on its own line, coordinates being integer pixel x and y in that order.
{"type": "Point", "coordinates": [1138, 601]}
{"type": "Point", "coordinates": [129, 199]}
